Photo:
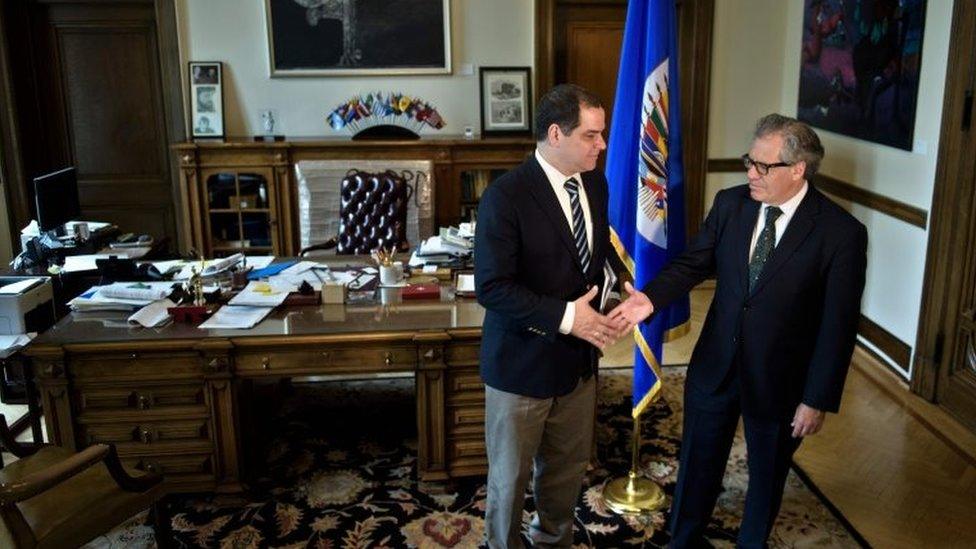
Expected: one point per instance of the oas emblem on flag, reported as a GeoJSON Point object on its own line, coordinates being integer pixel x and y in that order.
{"type": "Point", "coordinates": [652, 171]}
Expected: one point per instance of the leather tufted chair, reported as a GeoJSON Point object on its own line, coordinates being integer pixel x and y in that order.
{"type": "Point", "coordinates": [372, 213]}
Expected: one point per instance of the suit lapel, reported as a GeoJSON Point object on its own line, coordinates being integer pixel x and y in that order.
{"type": "Point", "coordinates": [543, 194]}
{"type": "Point", "coordinates": [743, 237]}
{"type": "Point", "coordinates": [796, 232]}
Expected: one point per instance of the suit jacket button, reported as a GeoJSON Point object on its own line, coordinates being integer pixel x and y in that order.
{"type": "Point", "coordinates": [735, 339]}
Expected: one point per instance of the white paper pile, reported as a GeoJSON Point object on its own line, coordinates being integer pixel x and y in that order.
{"type": "Point", "coordinates": [236, 317]}
{"type": "Point", "coordinates": [120, 296]}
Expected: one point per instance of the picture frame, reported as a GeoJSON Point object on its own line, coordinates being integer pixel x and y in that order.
{"type": "Point", "coordinates": [506, 100]}
{"type": "Point", "coordinates": [354, 37]}
{"type": "Point", "coordinates": [206, 79]}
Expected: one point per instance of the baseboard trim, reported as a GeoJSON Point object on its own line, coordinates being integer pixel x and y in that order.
{"type": "Point", "coordinates": [895, 349]}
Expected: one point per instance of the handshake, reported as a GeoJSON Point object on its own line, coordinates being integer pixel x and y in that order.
{"type": "Point", "coordinates": [602, 330]}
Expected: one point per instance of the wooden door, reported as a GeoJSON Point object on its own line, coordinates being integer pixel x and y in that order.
{"type": "Point", "coordinates": [579, 41]}
{"type": "Point", "coordinates": [945, 360]}
{"type": "Point", "coordinates": [90, 88]}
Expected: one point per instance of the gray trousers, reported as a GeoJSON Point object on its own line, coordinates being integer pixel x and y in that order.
{"type": "Point", "coordinates": [552, 434]}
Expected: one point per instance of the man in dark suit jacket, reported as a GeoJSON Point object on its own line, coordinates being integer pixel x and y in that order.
{"type": "Point", "coordinates": [777, 341]}
{"type": "Point", "coordinates": [541, 243]}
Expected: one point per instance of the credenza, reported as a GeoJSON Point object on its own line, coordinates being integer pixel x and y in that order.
{"type": "Point", "coordinates": [241, 194]}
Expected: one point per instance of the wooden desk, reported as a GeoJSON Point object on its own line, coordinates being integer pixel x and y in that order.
{"type": "Point", "coordinates": [170, 398]}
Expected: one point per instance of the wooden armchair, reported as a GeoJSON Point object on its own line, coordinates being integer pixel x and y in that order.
{"type": "Point", "coordinates": [53, 497]}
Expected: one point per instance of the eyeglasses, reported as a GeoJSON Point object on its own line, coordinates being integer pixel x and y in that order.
{"type": "Point", "coordinates": [762, 168]}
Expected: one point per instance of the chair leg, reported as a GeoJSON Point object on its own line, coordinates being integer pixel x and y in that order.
{"type": "Point", "coordinates": [161, 527]}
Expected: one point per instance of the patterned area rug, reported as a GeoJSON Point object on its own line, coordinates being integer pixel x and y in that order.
{"type": "Point", "coordinates": [335, 483]}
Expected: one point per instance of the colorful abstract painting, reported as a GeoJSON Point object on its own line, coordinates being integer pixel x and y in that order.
{"type": "Point", "coordinates": [860, 66]}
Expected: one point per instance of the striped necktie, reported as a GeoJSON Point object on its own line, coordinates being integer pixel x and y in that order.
{"type": "Point", "coordinates": [579, 223]}
{"type": "Point", "coordinates": [764, 246]}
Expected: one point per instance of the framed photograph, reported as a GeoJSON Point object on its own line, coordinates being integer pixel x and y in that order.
{"type": "Point", "coordinates": [206, 99]}
{"type": "Point", "coordinates": [358, 37]}
{"type": "Point", "coordinates": [506, 100]}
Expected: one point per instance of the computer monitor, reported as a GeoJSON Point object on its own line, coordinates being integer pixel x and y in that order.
{"type": "Point", "coordinates": [56, 195]}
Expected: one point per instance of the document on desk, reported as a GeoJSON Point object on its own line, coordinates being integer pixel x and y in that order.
{"type": "Point", "coordinates": [263, 294]}
{"type": "Point", "coordinates": [147, 291]}
{"type": "Point", "coordinates": [236, 317]}
{"type": "Point", "coordinates": [85, 262]}
{"type": "Point", "coordinates": [153, 315]}
{"type": "Point", "coordinates": [10, 344]}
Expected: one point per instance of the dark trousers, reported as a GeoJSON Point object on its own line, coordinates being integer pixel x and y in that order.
{"type": "Point", "coordinates": [709, 427]}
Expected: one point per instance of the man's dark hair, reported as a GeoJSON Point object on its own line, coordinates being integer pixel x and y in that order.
{"type": "Point", "coordinates": [800, 142]}
{"type": "Point", "coordinates": [561, 105]}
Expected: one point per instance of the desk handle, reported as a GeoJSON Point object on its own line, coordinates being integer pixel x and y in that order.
{"type": "Point", "coordinates": [266, 363]}
{"type": "Point", "coordinates": [387, 358]}
{"type": "Point", "coordinates": [145, 435]}
{"type": "Point", "coordinates": [143, 402]}
{"type": "Point", "coordinates": [151, 467]}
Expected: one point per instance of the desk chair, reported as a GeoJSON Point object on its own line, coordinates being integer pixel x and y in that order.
{"type": "Point", "coordinates": [372, 213]}
{"type": "Point", "coordinates": [53, 497]}
{"type": "Point", "coordinates": [354, 211]}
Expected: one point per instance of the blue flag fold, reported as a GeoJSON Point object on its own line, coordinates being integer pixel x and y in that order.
{"type": "Point", "coordinates": [646, 175]}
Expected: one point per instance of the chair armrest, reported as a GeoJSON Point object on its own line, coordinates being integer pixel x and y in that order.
{"type": "Point", "coordinates": [8, 441]}
{"type": "Point", "coordinates": [126, 481]}
{"type": "Point", "coordinates": [35, 483]}
{"type": "Point", "coordinates": [327, 245]}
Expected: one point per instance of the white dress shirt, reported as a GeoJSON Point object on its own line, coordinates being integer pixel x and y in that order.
{"type": "Point", "coordinates": [789, 208]}
{"type": "Point", "coordinates": [558, 179]}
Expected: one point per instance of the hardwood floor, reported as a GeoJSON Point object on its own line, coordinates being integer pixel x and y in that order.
{"type": "Point", "coordinates": [882, 463]}
{"type": "Point", "coordinates": [898, 468]}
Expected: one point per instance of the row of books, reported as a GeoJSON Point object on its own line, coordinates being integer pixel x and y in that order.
{"type": "Point", "coordinates": [474, 182]}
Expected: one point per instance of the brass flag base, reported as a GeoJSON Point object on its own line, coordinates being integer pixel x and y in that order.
{"type": "Point", "coordinates": [634, 494]}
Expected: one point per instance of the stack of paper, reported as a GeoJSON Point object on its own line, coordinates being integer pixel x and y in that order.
{"type": "Point", "coordinates": [120, 296]}
{"type": "Point", "coordinates": [236, 317]}
{"type": "Point", "coordinates": [153, 315]}
{"type": "Point", "coordinates": [10, 344]}
{"type": "Point", "coordinates": [213, 267]}
{"type": "Point", "coordinates": [263, 294]}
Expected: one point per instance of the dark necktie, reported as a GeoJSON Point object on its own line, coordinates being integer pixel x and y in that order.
{"type": "Point", "coordinates": [579, 223]}
{"type": "Point", "coordinates": [764, 246]}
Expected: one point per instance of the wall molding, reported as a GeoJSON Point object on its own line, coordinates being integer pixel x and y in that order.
{"type": "Point", "coordinates": [895, 349]}
{"type": "Point", "coordinates": [842, 189]}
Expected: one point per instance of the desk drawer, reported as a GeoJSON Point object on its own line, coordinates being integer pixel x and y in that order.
{"type": "Point", "coordinates": [462, 354]}
{"type": "Point", "coordinates": [172, 467]}
{"type": "Point", "coordinates": [466, 420]}
{"type": "Point", "coordinates": [148, 433]}
{"type": "Point", "coordinates": [466, 449]}
{"type": "Point", "coordinates": [167, 365]}
{"type": "Point", "coordinates": [141, 396]}
{"type": "Point", "coordinates": [327, 360]}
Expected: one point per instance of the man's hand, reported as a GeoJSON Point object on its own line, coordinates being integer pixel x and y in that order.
{"type": "Point", "coordinates": [632, 311]}
{"type": "Point", "coordinates": [590, 325]}
{"type": "Point", "coordinates": [807, 421]}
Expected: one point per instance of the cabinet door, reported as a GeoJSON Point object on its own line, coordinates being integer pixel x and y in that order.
{"type": "Point", "coordinates": [239, 211]}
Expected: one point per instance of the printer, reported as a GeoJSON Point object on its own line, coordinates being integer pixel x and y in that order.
{"type": "Point", "coordinates": [26, 304]}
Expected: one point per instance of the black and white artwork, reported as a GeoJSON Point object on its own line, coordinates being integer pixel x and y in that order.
{"type": "Point", "coordinates": [358, 37]}
{"type": "Point", "coordinates": [206, 99]}
{"type": "Point", "coordinates": [505, 100]}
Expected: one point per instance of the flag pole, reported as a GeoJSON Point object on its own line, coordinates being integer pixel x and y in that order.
{"type": "Point", "coordinates": [633, 494]}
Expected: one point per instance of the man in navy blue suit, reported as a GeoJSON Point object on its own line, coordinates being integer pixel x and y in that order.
{"type": "Point", "coordinates": [541, 244]}
{"type": "Point", "coordinates": [776, 344]}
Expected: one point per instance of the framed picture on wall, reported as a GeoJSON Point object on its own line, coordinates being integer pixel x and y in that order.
{"type": "Point", "coordinates": [506, 100]}
{"type": "Point", "coordinates": [206, 99]}
{"type": "Point", "coordinates": [358, 37]}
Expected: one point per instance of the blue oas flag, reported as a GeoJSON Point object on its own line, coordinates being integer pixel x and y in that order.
{"type": "Point", "coordinates": [646, 175]}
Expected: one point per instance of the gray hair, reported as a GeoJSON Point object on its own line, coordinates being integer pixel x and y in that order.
{"type": "Point", "coordinates": [800, 142]}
